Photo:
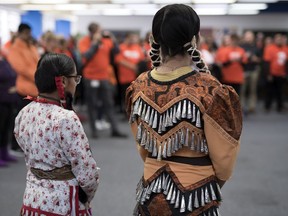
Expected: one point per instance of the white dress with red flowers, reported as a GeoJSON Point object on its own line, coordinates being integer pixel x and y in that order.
{"type": "Point", "coordinates": [52, 137]}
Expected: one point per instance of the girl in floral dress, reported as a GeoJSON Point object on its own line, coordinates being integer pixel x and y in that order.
{"type": "Point", "coordinates": [62, 175]}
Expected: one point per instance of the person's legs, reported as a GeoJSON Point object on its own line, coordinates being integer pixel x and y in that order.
{"type": "Point", "coordinates": [91, 93]}
{"type": "Point", "coordinates": [244, 89]}
{"type": "Point", "coordinates": [106, 93]}
{"type": "Point", "coordinates": [253, 90]}
{"type": "Point", "coordinates": [279, 82]}
{"type": "Point", "coordinates": [6, 116]}
{"type": "Point", "coordinates": [269, 94]}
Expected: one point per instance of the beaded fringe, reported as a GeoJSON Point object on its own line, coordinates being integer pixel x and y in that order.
{"type": "Point", "coordinates": [184, 137]}
{"type": "Point", "coordinates": [160, 122]}
{"type": "Point", "coordinates": [188, 201]}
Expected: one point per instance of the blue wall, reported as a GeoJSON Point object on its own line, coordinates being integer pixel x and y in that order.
{"type": "Point", "coordinates": [34, 19]}
{"type": "Point", "coordinates": [63, 27]}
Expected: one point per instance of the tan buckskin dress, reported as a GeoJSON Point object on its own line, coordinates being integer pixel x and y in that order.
{"type": "Point", "coordinates": [187, 126]}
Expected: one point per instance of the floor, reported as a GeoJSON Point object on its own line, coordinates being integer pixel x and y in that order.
{"type": "Point", "coordinates": [257, 188]}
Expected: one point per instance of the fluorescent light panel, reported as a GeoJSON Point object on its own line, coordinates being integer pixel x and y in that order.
{"type": "Point", "coordinates": [13, 1]}
{"type": "Point", "coordinates": [140, 6]}
{"type": "Point", "coordinates": [104, 6]}
{"type": "Point", "coordinates": [213, 1]}
{"type": "Point", "coordinates": [172, 1]}
{"type": "Point", "coordinates": [117, 12]}
{"type": "Point", "coordinates": [248, 6]}
{"type": "Point", "coordinates": [48, 1]}
{"type": "Point", "coordinates": [243, 12]}
{"type": "Point", "coordinates": [130, 1]}
{"type": "Point", "coordinates": [70, 7]}
{"type": "Point", "coordinates": [33, 7]}
{"type": "Point", "coordinates": [258, 1]}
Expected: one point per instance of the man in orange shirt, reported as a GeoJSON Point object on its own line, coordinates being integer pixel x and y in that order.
{"type": "Point", "coordinates": [96, 52]}
{"type": "Point", "coordinates": [23, 58]}
{"type": "Point", "coordinates": [231, 58]}
{"type": "Point", "coordinates": [275, 56]}
{"type": "Point", "coordinates": [131, 53]}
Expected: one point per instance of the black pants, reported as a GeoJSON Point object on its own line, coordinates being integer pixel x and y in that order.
{"type": "Point", "coordinates": [7, 116]}
{"type": "Point", "coordinates": [274, 90]}
{"type": "Point", "coordinates": [99, 96]}
{"type": "Point", "coordinates": [123, 88]}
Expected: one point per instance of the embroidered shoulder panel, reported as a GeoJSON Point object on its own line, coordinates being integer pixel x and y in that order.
{"type": "Point", "coordinates": [169, 114]}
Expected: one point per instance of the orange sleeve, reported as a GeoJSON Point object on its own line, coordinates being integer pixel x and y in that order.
{"type": "Point", "coordinates": [83, 45]}
{"type": "Point", "coordinates": [16, 61]}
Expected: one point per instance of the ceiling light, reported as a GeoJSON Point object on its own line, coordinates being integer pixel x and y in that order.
{"type": "Point", "coordinates": [140, 6]}
{"type": "Point", "coordinates": [130, 1]}
{"type": "Point", "coordinates": [104, 6]}
{"type": "Point", "coordinates": [93, 12]}
{"type": "Point", "coordinates": [211, 9]}
{"type": "Point", "coordinates": [70, 7]}
{"type": "Point", "coordinates": [48, 1]}
{"type": "Point", "coordinates": [258, 1]}
{"type": "Point", "coordinates": [171, 1]}
{"type": "Point", "coordinates": [145, 12]}
{"type": "Point", "coordinates": [213, 1]}
{"type": "Point", "coordinates": [35, 7]}
{"type": "Point", "coordinates": [248, 6]}
{"type": "Point", "coordinates": [117, 12]}
{"type": "Point", "coordinates": [243, 12]}
{"type": "Point", "coordinates": [13, 1]}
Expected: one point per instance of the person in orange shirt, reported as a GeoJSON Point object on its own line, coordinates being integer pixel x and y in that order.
{"type": "Point", "coordinates": [96, 52]}
{"type": "Point", "coordinates": [275, 56]}
{"type": "Point", "coordinates": [127, 60]}
{"type": "Point", "coordinates": [23, 58]}
{"type": "Point", "coordinates": [231, 58]}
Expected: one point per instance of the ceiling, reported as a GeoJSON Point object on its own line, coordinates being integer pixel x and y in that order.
{"type": "Point", "coordinates": [148, 7]}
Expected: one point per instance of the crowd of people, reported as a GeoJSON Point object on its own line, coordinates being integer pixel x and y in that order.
{"type": "Point", "coordinates": [109, 65]}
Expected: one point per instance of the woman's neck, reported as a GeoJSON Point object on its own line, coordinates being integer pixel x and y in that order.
{"type": "Point", "coordinates": [174, 63]}
{"type": "Point", "coordinates": [50, 96]}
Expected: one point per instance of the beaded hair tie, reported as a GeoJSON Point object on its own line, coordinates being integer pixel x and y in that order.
{"type": "Point", "coordinates": [61, 92]}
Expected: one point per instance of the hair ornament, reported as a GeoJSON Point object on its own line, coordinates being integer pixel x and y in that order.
{"type": "Point", "coordinates": [154, 52]}
{"type": "Point", "coordinates": [60, 89]}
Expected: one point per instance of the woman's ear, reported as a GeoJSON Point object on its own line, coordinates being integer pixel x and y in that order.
{"type": "Point", "coordinates": [64, 81]}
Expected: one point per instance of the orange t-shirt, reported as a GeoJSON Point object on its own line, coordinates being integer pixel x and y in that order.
{"type": "Point", "coordinates": [132, 54]}
{"type": "Point", "coordinates": [233, 72]}
{"type": "Point", "coordinates": [277, 57]}
{"type": "Point", "coordinates": [98, 67]}
{"type": "Point", "coordinates": [24, 59]}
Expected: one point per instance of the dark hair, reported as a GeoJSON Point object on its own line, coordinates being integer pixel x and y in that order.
{"type": "Point", "coordinates": [173, 26]}
{"type": "Point", "coordinates": [175, 30]}
{"type": "Point", "coordinates": [50, 66]}
{"type": "Point", "coordinates": [93, 27]}
{"type": "Point", "coordinates": [22, 27]}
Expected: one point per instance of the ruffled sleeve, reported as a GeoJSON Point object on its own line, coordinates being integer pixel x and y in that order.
{"type": "Point", "coordinates": [222, 127]}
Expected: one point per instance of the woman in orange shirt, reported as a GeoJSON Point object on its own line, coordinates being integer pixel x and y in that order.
{"type": "Point", "coordinates": [231, 57]}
